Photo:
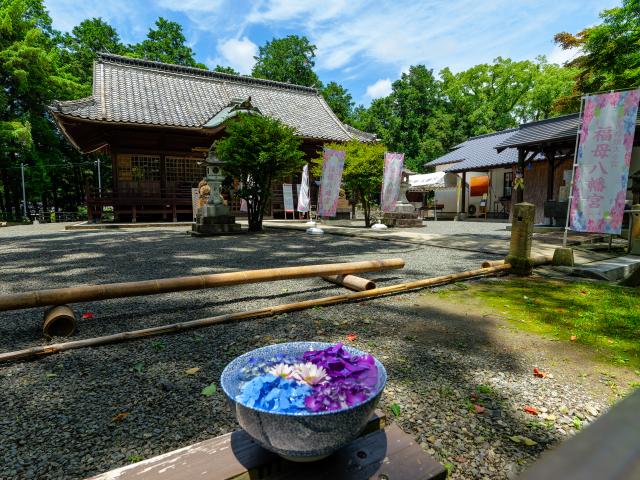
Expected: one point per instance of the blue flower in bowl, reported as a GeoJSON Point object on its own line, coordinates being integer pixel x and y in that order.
{"type": "Point", "coordinates": [304, 400]}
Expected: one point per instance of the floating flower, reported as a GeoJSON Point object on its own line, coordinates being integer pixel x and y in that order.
{"type": "Point", "coordinates": [310, 373]}
{"type": "Point", "coordinates": [281, 370]}
{"type": "Point", "coordinates": [340, 364]}
{"type": "Point", "coordinates": [275, 394]}
{"type": "Point", "coordinates": [336, 395]}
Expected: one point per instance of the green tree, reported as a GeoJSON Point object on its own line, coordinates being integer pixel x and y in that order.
{"type": "Point", "coordinates": [166, 44]}
{"type": "Point", "coordinates": [362, 174]}
{"type": "Point", "coordinates": [229, 70]}
{"type": "Point", "coordinates": [422, 125]}
{"type": "Point", "coordinates": [87, 39]}
{"type": "Point", "coordinates": [289, 59]}
{"type": "Point", "coordinates": [340, 100]}
{"type": "Point", "coordinates": [258, 150]}
{"type": "Point", "coordinates": [609, 52]}
{"type": "Point", "coordinates": [551, 83]}
{"type": "Point", "coordinates": [483, 98]}
{"type": "Point", "coordinates": [32, 74]}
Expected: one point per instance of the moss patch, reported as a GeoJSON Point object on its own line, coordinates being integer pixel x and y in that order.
{"type": "Point", "coordinates": [602, 316]}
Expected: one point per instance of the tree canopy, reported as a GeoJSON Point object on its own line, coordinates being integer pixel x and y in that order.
{"type": "Point", "coordinates": [258, 150]}
{"type": "Point", "coordinates": [340, 100]}
{"type": "Point", "coordinates": [166, 43]}
{"type": "Point", "coordinates": [609, 52]}
{"type": "Point", "coordinates": [86, 40]}
{"type": "Point", "coordinates": [289, 59]}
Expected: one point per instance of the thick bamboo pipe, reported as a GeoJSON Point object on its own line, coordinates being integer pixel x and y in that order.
{"type": "Point", "coordinates": [87, 293]}
{"type": "Point", "coordinates": [351, 281]}
{"type": "Point", "coordinates": [536, 260]}
{"type": "Point", "coordinates": [261, 313]}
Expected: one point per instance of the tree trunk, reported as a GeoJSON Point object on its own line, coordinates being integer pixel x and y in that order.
{"type": "Point", "coordinates": [366, 208]}
{"type": "Point", "coordinates": [7, 193]}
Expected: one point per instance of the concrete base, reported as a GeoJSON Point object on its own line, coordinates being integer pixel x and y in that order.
{"type": "Point", "coordinates": [563, 257]}
{"type": "Point", "coordinates": [613, 270]}
{"type": "Point", "coordinates": [206, 226]}
{"type": "Point", "coordinates": [398, 219]}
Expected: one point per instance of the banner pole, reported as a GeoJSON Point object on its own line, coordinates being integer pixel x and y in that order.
{"type": "Point", "coordinates": [573, 174]}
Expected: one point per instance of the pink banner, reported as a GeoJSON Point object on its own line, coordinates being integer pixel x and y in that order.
{"type": "Point", "coordinates": [393, 163]}
{"type": "Point", "coordinates": [604, 156]}
{"type": "Point", "coordinates": [330, 184]}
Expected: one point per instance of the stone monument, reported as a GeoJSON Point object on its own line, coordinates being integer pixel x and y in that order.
{"type": "Point", "coordinates": [405, 214]}
{"type": "Point", "coordinates": [214, 217]}
{"type": "Point", "coordinates": [521, 238]}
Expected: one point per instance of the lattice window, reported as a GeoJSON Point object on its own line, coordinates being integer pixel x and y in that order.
{"type": "Point", "coordinates": [183, 169]}
{"type": "Point", "coordinates": [139, 168]}
{"type": "Point", "coordinates": [508, 184]}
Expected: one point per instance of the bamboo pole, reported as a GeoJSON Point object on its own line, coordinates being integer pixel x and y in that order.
{"type": "Point", "coordinates": [536, 261]}
{"type": "Point", "coordinates": [260, 313]}
{"type": "Point", "coordinates": [351, 281]}
{"type": "Point", "coordinates": [86, 293]}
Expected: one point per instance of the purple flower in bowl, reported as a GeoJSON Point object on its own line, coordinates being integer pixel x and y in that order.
{"type": "Point", "coordinates": [306, 408]}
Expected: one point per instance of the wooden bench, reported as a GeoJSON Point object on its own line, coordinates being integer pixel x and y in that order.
{"type": "Point", "coordinates": [381, 452]}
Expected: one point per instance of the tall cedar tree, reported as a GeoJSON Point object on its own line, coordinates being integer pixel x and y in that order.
{"type": "Point", "coordinates": [166, 44]}
{"type": "Point", "coordinates": [289, 59]}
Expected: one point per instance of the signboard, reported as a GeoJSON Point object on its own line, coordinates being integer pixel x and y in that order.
{"type": "Point", "coordinates": [603, 159]}
{"type": "Point", "coordinates": [195, 198]}
{"type": "Point", "coordinates": [287, 193]}
{"type": "Point", "coordinates": [330, 184]}
{"type": "Point", "coordinates": [391, 179]}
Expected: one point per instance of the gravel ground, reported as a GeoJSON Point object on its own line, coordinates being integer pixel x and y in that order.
{"type": "Point", "coordinates": [86, 411]}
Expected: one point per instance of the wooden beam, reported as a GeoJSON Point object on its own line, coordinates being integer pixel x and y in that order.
{"type": "Point", "coordinates": [520, 169]}
{"type": "Point", "coordinates": [609, 448]}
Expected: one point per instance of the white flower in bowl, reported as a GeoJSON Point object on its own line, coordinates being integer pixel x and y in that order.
{"type": "Point", "coordinates": [281, 370]}
{"type": "Point", "coordinates": [310, 373]}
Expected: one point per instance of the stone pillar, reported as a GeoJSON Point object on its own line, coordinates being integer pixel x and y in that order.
{"type": "Point", "coordinates": [521, 237]}
{"type": "Point", "coordinates": [635, 232]}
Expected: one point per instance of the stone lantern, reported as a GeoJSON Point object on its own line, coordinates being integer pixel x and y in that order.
{"type": "Point", "coordinates": [214, 218]}
{"type": "Point", "coordinates": [405, 214]}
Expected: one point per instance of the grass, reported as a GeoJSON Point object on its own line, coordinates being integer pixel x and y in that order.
{"type": "Point", "coordinates": [602, 316]}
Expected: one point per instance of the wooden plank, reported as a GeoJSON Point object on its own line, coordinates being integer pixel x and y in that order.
{"type": "Point", "coordinates": [231, 456]}
{"type": "Point", "coordinates": [607, 449]}
{"type": "Point", "coordinates": [387, 454]}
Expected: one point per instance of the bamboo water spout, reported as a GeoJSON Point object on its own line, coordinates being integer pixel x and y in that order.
{"type": "Point", "coordinates": [86, 293]}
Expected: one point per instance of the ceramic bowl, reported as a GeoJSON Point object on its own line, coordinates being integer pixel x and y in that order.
{"type": "Point", "coordinates": [301, 436]}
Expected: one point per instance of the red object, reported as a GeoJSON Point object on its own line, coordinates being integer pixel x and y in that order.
{"type": "Point", "coordinates": [351, 337]}
{"type": "Point", "coordinates": [531, 410]}
{"type": "Point", "coordinates": [479, 408]}
{"type": "Point", "coordinates": [538, 373]}
{"type": "Point", "coordinates": [87, 316]}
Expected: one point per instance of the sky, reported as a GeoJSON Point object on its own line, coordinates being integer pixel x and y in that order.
{"type": "Point", "coordinates": [363, 45]}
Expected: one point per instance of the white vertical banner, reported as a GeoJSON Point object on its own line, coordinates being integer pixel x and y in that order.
{"type": "Point", "coordinates": [303, 191]}
{"type": "Point", "coordinates": [287, 194]}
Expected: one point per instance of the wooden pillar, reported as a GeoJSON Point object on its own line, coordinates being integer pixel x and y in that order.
{"type": "Point", "coordinates": [550, 154]}
{"type": "Point", "coordinates": [520, 169]}
{"type": "Point", "coordinates": [463, 193]}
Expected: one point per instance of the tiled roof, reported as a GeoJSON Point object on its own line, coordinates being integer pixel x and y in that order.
{"type": "Point", "coordinates": [479, 152]}
{"type": "Point", "coordinates": [543, 131]}
{"type": "Point", "coordinates": [134, 91]}
{"type": "Point", "coordinates": [360, 135]}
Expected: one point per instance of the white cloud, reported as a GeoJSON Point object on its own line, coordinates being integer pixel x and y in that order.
{"type": "Point", "coordinates": [561, 56]}
{"type": "Point", "coordinates": [236, 53]}
{"type": "Point", "coordinates": [437, 33]}
{"type": "Point", "coordinates": [381, 88]}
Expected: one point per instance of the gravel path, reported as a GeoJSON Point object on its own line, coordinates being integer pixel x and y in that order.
{"type": "Point", "coordinates": [87, 411]}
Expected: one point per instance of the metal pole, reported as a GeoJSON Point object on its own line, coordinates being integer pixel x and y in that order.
{"type": "Point", "coordinates": [573, 174]}
{"type": "Point", "coordinates": [24, 192]}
